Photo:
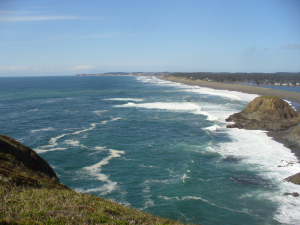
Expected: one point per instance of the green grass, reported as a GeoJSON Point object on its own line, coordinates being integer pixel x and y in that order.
{"type": "Point", "coordinates": [30, 197]}
{"type": "Point", "coordinates": [24, 205]}
{"type": "Point", "coordinates": [269, 97]}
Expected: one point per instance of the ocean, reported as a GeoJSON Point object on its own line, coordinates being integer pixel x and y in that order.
{"type": "Point", "coordinates": [154, 145]}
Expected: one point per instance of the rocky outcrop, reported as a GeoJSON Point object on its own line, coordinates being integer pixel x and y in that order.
{"type": "Point", "coordinates": [265, 113]}
{"type": "Point", "coordinates": [26, 156]}
{"type": "Point", "coordinates": [290, 137]}
{"type": "Point", "coordinates": [294, 179]}
{"type": "Point", "coordinates": [271, 113]}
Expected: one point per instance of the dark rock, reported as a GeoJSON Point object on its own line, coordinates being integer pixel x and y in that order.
{"type": "Point", "coordinates": [291, 137]}
{"type": "Point", "coordinates": [294, 194]}
{"type": "Point", "coordinates": [294, 178]}
{"type": "Point", "coordinates": [232, 159]}
{"type": "Point", "coordinates": [26, 156]}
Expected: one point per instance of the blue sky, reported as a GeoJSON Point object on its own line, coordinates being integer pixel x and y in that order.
{"type": "Point", "coordinates": [43, 38]}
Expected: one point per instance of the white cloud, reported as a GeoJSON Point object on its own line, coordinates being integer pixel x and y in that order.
{"type": "Point", "coordinates": [16, 68]}
{"type": "Point", "coordinates": [22, 16]}
{"type": "Point", "coordinates": [289, 46]}
{"type": "Point", "coordinates": [35, 18]}
{"type": "Point", "coordinates": [82, 67]}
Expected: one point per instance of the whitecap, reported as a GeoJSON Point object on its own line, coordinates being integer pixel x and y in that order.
{"type": "Point", "coordinates": [99, 112]}
{"type": "Point", "coordinates": [39, 151]}
{"type": "Point", "coordinates": [173, 106]}
{"type": "Point", "coordinates": [212, 128]}
{"type": "Point", "coordinates": [126, 99]}
{"type": "Point", "coordinates": [201, 90]}
{"type": "Point", "coordinates": [74, 143]}
{"type": "Point", "coordinates": [95, 171]}
{"type": "Point", "coordinates": [43, 129]}
{"type": "Point", "coordinates": [33, 110]}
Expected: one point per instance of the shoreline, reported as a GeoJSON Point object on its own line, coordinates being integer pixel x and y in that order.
{"type": "Point", "coordinates": [286, 95]}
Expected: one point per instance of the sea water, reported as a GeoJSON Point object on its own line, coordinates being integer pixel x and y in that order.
{"type": "Point", "coordinates": [154, 145]}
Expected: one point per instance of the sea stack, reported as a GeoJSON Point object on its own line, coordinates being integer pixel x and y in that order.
{"type": "Point", "coordinates": [268, 113]}
{"type": "Point", "coordinates": [271, 113]}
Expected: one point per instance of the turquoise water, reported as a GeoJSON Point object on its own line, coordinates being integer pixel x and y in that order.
{"type": "Point", "coordinates": [154, 145]}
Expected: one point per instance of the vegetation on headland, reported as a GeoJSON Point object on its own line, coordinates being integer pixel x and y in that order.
{"type": "Point", "coordinates": [282, 78]}
{"type": "Point", "coordinates": [269, 97]}
{"type": "Point", "coordinates": [30, 197]}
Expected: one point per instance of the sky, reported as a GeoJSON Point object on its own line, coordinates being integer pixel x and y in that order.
{"type": "Point", "coordinates": [51, 38]}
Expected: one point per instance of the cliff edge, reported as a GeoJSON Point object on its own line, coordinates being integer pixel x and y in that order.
{"type": "Point", "coordinates": [30, 193]}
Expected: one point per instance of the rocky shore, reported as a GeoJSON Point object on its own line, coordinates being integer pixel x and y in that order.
{"type": "Point", "coordinates": [273, 114]}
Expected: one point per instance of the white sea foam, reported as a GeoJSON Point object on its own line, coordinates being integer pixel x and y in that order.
{"type": "Point", "coordinates": [105, 189]}
{"type": "Point", "coordinates": [212, 128]}
{"type": "Point", "coordinates": [53, 141]}
{"type": "Point", "coordinates": [142, 165]}
{"type": "Point", "coordinates": [100, 148]}
{"type": "Point", "coordinates": [147, 196]}
{"type": "Point", "coordinates": [33, 110]}
{"type": "Point", "coordinates": [43, 129]}
{"type": "Point", "coordinates": [99, 112]}
{"type": "Point", "coordinates": [184, 177]}
{"type": "Point", "coordinates": [171, 106]}
{"type": "Point", "coordinates": [74, 143]}
{"type": "Point", "coordinates": [93, 125]}
{"type": "Point", "coordinates": [201, 90]}
{"type": "Point", "coordinates": [95, 171]}
{"type": "Point", "coordinates": [39, 151]}
{"type": "Point", "coordinates": [272, 161]}
{"type": "Point", "coordinates": [117, 118]}
{"type": "Point", "coordinates": [258, 151]}
{"type": "Point", "coordinates": [126, 99]}
{"type": "Point", "coordinates": [290, 103]}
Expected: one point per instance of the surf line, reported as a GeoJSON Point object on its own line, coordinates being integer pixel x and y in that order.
{"type": "Point", "coordinates": [53, 141]}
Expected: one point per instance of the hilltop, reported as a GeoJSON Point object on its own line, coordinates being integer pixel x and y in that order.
{"type": "Point", "coordinates": [30, 193]}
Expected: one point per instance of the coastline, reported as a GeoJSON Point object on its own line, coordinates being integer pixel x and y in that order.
{"type": "Point", "coordinates": [286, 95]}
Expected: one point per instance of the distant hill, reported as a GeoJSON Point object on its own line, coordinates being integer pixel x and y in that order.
{"type": "Point", "coordinates": [125, 74]}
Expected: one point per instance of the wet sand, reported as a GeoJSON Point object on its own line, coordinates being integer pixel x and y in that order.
{"type": "Point", "coordinates": [287, 95]}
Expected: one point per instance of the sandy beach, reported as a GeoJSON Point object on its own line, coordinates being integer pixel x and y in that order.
{"type": "Point", "coordinates": [286, 95]}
